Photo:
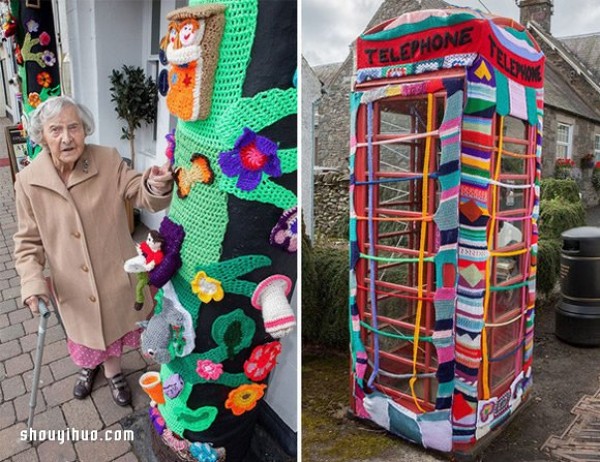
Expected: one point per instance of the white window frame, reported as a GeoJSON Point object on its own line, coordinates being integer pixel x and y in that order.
{"type": "Point", "coordinates": [568, 144]}
{"type": "Point", "coordinates": [597, 148]}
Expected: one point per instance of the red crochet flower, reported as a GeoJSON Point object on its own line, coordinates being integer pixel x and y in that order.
{"type": "Point", "coordinates": [262, 360]}
{"type": "Point", "coordinates": [44, 79]}
{"type": "Point", "coordinates": [44, 39]}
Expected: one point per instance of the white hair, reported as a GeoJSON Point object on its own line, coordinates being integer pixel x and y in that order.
{"type": "Point", "coordinates": [49, 109]}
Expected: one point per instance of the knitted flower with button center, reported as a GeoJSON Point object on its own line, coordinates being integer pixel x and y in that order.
{"type": "Point", "coordinates": [209, 370]}
{"type": "Point", "coordinates": [285, 233]}
{"type": "Point", "coordinates": [252, 155]}
{"type": "Point", "coordinates": [207, 288]}
{"type": "Point", "coordinates": [32, 26]}
{"type": "Point", "coordinates": [244, 398]}
{"type": "Point", "coordinates": [44, 79]}
{"type": "Point", "coordinates": [48, 58]}
{"type": "Point", "coordinates": [262, 360]}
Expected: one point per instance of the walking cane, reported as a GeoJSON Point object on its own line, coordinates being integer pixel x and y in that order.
{"type": "Point", "coordinates": [44, 315]}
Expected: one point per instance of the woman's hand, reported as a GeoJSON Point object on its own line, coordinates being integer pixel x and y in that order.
{"type": "Point", "coordinates": [160, 180]}
{"type": "Point", "coordinates": [33, 303]}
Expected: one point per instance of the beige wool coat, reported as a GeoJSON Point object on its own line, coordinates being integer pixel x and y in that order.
{"type": "Point", "coordinates": [81, 229]}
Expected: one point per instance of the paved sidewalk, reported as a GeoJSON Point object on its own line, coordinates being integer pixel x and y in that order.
{"type": "Point", "coordinates": [56, 408]}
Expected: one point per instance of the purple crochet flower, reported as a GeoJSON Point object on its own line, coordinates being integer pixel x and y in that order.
{"type": "Point", "coordinates": [251, 156]}
{"type": "Point", "coordinates": [285, 232]}
{"type": "Point", "coordinates": [173, 234]}
{"type": "Point", "coordinates": [170, 151]}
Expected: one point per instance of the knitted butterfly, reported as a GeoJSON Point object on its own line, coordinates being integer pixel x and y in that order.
{"type": "Point", "coordinates": [199, 172]}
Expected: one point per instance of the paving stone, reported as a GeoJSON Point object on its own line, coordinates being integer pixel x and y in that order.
{"type": "Point", "coordinates": [7, 414]}
{"type": "Point", "coordinates": [7, 274]}
{"type": "Point", "coordinates": [9, 350]}
{"type": "Point", "coordinates": [14, 282]}
{"type": "Point", "coordinates": [8, 305]}
{"type": "Point", "coordinates": [132, 361]}
{"type": "Point", "coordinates": [109, 411]}
{"type": "Point", "coordinates": [64, 367]}
{"type": "Point", "coordinates": [20, 315]}
{"type": "Point", "coordinates": [59, 392]}
{"type": "Point", "coordinates": [13, 387]}
{"type": "Point", "coordinates": [53, 418]}
{"type": "Point", "coordinates": [54, 351]}
{"type": "Point", "coordinates": [12, 292]}
{"type": "Point", "coordinates": [139, 399]}
{"type": "Point", "coordinates": [46, 378]}
{"type": "Point", "coordinates": [27, 456]}
{"type": "Point", "coordinates": [31, 325]}
{"type": "Point", "coordinates": [22, 406]}
{"type": "Point", "coordinates": [102, 451]}
{"type": "Point", "coordinates": [3, 320]}
{"type": "Point", "coordinates": [10, 442]}
{"type": "Point", "coordinates": [129, 457]}
{"type": "Point", "coordinates": [82, 414]}
{"type": "Point", "coordinates": [11, 332]}
{"type": "Point", "coordinates": [18, 364]}
{"type": "Point", "coordinates": [54, 451]}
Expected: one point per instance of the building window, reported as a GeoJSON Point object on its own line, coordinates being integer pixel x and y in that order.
{"type": "Point", "coordinates": [564, 141]}
{"type": "Point", "coordinates": [597, 148]}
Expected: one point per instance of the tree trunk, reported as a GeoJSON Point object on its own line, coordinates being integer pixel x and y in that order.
{"type": "Point", "coordinates": [132, 149]}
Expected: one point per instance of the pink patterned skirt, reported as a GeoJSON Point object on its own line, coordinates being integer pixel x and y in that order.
{"type": "Point", "coordinates": [83, 356]}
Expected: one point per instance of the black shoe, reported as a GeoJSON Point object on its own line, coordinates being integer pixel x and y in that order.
{"type": "Point", "coordinates": [119, 389]}
{"type": "Point", "coordinates": [85, 382]}
{"type": "Point", "coordinates": [138, 306]}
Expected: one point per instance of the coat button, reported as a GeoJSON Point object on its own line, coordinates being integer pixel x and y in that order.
{"type": "Point", "coordinates": [92, 299]}
{"type": "Point", "coordinates": [84, 268]}
{"type": "Point", "coordinates": [76, 234]}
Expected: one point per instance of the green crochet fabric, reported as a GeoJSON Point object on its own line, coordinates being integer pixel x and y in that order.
{"type": "Point", "coordinates": [204, 212]}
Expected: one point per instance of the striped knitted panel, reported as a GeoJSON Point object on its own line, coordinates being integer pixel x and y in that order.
{"type": "Point", "coordinates": [472, 240]}
{"type": "Point", "coordinates": [446, 220]}
{"type": "Point", "coordinates": [359, 356]}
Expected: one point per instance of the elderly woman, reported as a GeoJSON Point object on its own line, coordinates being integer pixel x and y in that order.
{"type": "Point", "coordinates": [71, 211]}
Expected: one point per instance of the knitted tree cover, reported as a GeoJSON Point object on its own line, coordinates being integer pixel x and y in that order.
{"type": "Point", "coordinates": [236, 180]}
{"type": "Point", "coordinates": [36, 55]}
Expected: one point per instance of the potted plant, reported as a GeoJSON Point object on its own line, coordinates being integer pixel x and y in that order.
{"type": "Point", "coordinates": [596, 176]}
{"type": "Point", "coordinates": [135, 98]}
{"type": "Point", "coordinates": [563, 168]}
{"type": "Point", "coordinates": [587, 161]}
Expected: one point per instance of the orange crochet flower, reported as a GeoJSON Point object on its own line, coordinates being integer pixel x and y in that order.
{"type": "Point", "coordinates": [44, 79]}
{"type": "Point", "coordinates": [244, 398]}
{"type": "Point", "coordinates": [34, 100]}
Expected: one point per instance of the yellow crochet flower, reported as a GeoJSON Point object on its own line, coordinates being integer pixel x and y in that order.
{"type": "Point", "coordinates": [206, 288]}
{"type": "Point", "coordinates": [244, 398]}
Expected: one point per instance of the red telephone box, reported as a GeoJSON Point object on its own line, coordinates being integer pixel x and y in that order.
{"type": "Point", "coordinates": [446, 127]}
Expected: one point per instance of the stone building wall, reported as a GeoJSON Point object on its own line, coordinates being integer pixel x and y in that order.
{"type": "Point", "coordinates": [331, 204]}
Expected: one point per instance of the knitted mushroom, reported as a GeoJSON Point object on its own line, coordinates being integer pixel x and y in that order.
{"type": "Point", "coordinates": [270, 296]}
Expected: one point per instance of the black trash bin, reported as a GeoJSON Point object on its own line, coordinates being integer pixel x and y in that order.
{"type": "Point", "coordinates": [578, 313]}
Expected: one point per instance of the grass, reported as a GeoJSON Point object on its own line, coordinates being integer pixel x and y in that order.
{"type": "Point", "coordinates": [328, 434]}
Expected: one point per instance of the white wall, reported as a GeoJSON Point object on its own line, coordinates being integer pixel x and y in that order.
{"type": "Point", "coordinates": [282, 393]}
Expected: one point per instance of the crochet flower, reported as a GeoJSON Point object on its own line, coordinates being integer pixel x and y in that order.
{"type": "Point", "coordinates": [34, 99]}
{"type": "Point", "coordinates": [18, 55]}
{"type": "Point", "coordinates": [204, 452]}
{"type": "Point", "coordinates": [173, 441]}
{"type": "Point", "coordinates": [48, 58]}
{"type": "Point", "coordinates": [285, 233]}
{"type": "Point", "coordinates": [252, 155]}
{"type": "Point", "coordinates": [45, 39]}
{"type": "Point", "coordinates": [209, 370]}
{"type": "Point", "coordinates": [206, 288]}
{"type": "Point", "coordinates": [170, 151]}
{"type": "Point", "coordinates": [44, 79]}
{"type": "Point", "coordinates": [244, 398]}
{"type": "Point", "coordinates": [262, 359]}
{"type": "Point", "coordinates": [32, 26]}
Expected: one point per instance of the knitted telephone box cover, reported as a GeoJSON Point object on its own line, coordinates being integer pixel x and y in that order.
{"type": "Point", "coordinates": [230, 67]}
